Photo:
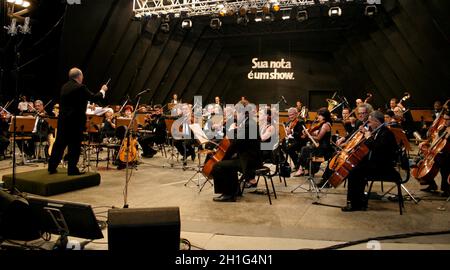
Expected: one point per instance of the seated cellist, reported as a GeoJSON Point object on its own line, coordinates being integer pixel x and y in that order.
{"type": "Point", "coordinates": [242, 155]}
{"type": "Point", "coordinates": [443, 161]}
{"type": "Point", "coordinates": [378, 162]}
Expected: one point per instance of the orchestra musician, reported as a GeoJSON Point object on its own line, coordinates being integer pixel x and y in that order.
{"type": "Point", "coordinates": [72, 121]}
{"type": "Point", "coordinates": [294, 142]}
{"type": "Point", "coordinates": [128, 111]}
{"type": "Point", "coordinates": [41, 128]}
{"type": "Point", "coordinates": [302, 110]}
{"type": "Point", "coordinates": [175, 99]}
{"type": "Point", "coordinates": [443, 160]}
{"type": "Point", "coordinates": [109, 124]}
{"type": "Point", "coordinates": [321, 133]}
{"type": "Point", "coordinates": [437, 108]}
{"type": "Point", "coordinates": [23, 105]}
{"type": "Point", "coordinates": [4, 135]}
{"type": "Point", "coordinates": [362, 114]}
{"type": "Point", "coordinates": [55, 110]}
{"type": "Point", "coordinates": [379, 162]}
{"type": "Point", "coordinates": [185, 145]}
{"type": "Point", "coordinates": [157, 126]}
{"type": "Point", "coordinates": [243, 155]}
{"type": "Point", "coordinates": [217, 101]}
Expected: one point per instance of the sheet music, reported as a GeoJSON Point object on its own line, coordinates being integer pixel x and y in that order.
{"type": "Point", "coordinates": [198, 133]}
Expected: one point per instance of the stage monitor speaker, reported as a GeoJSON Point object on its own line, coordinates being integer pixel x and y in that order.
{"type": "Point", "coordinates": [16, 222]}
{"type": "Point", "coordinates": [144, 229]}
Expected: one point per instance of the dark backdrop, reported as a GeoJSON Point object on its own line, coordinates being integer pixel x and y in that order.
{"type": "Point", "coordinates": [404, 48]}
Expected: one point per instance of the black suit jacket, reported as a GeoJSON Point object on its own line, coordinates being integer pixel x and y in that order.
{"type": "Point", "coordinates": [383, 149]}
{"type": "Point", "coordinates": [73, 103]}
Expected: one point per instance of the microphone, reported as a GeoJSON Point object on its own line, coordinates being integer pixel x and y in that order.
{"type": "Point", "coordinates": [284, 100]}
{"type": "Point", "coordinates": [143, 92]}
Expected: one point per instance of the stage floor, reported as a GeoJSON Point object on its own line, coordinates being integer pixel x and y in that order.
{"type": "Point", "coordinates": [291, 222]}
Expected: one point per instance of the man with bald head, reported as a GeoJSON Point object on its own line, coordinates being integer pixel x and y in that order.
{"type": "Point", "coordinates": [72, 121]}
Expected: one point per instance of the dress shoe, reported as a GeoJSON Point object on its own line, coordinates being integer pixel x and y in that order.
{"type": "Point", "coordinates": [350, 208]}
{"type": "Point", "coordinates": [299, 173]}
{"type": "Point", "coordinates": [52, 171]}
{"type": "Point", "coordinates": [430, 188]}
{"type": "Point", "coordinates": [74, 172]}
{"type": "Point", "coordinates": [445, 194]}
{"type": "Point", "coordinates": [225, 198]}
{"type": "Point", "coordinates": [251, 185]}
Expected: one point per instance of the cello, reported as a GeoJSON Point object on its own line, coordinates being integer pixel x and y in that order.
{"type": "Point", "coordinates": [438, 123]}
{"type": "Point", "coordinates": [219, 155]}
{"type": "Point", "coordinates": [428, 167]}
{"type": "Point", "coordinates": [351, 158]}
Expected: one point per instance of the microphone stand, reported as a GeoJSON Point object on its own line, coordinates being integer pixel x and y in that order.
{"type": "Point", "coordinates": [127, 137]}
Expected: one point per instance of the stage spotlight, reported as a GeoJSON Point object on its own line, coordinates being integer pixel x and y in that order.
{"type": "Point", "coordinates": [11, 1]}
{"type": "Point", "coordinates": [26, 4]}
{"type": "Point", "coordinates": [230, 11]}
{"type": "Point", "coordinates": [253, 9]}
{"type": "Point", "coordinates": [335, 12]}
{"type": "Point", "coordinates": [286, 14]}
{"type": "Point", "coordinates": [269, 17]}
{"type": "Point", "coordinates": [302, 15]}
{"type": "Point", "coordinates": [243, 10]}
{"type": "Point", "coordinates": [266, 8]}
{"type": "Point", "coordinates": [222, 10]}
{"type": "Point", "coordinates": [276, 6]}
{"type": "Point", "coordinates": [165, 27]}
{"type": "Point", "coordinates": [370, 10]}
{"type": "Point", "coordinates": [186, 24]}
{"type": "Point", "coordinates": [259, 17]}
{"type": "Point", "coordinates": [215, 23]}
{"type": "Point", "coordinates": [19, 2]}
{"type": "Point", "coordinates": [242, 20]}
{"type": "Point", "coordinates": [165, 18]}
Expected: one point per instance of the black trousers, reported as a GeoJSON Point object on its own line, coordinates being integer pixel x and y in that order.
{"type": "Point", "coordinates": [185, 147]}
{"type": "Point", "coordinates": [70, 137]}
{"type": "Point", "coordinates": [225, 174]}
{"type": "Point", "coordinates": [357, 180]}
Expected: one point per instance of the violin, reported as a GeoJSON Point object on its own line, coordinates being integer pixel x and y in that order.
{"type": "Point", "coordinates": [316, 125]}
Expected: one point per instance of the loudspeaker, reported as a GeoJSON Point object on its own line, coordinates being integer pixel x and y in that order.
{"type": "Point", "coordinates": [16, 220]}
{"type": "Point", "coordinates": [144, 229]}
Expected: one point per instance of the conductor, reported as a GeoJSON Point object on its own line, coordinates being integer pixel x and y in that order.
{"type": "Point", "coordinates": [72, 121]}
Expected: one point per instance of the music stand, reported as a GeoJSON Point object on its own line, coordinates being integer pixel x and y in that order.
{"type": "Point", "coordinates": [65, 219]}
{"type": "Point", "coordinates": [202, 139]}
{"type": "Point", "coordinates": [22, 124]}
{"type": "Point", "coordinates": [169, 123]}
{"type": "Point", "coordinates": [312, 184]}
{"type": "Point", "coordinates": [123, 121]}
{"type": "Point", "coordinates": [93, 124]}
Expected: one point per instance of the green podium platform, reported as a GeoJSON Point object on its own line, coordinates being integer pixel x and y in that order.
{"type": "Point", "coordinates": [40, 182]}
